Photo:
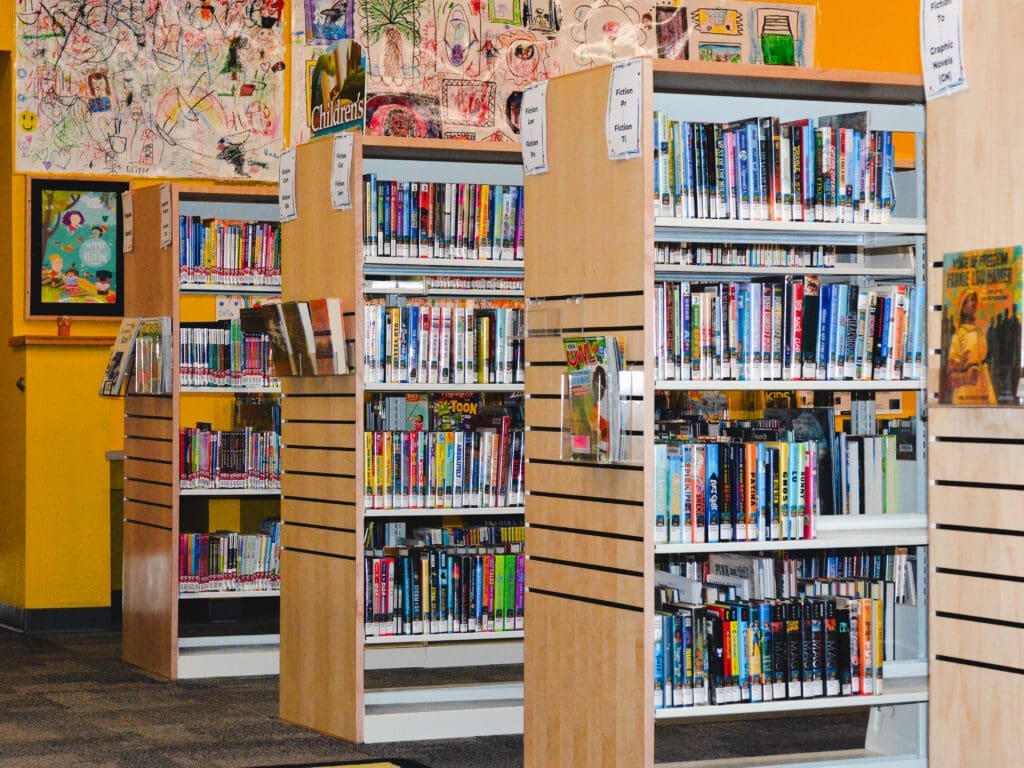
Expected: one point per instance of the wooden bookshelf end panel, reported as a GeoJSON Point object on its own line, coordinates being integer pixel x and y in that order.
{"type": "Point", "coordinates": [149, 637]}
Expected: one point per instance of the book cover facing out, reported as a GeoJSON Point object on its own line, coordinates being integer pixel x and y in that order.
{"type": "Point", "coordinates": [590, 428]}
{"type": "Point", "coordinates": [981, 327]}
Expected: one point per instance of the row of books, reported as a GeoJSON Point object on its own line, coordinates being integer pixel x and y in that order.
{"type": "Point", "coordinates": [435, 341]}
{"type": "Point", "coordinates": [445, 470]}
{"type": "Point", "coordinates": [830, 169]}
{"type": "Point", "coordinates": [443, 220]}
{"type": "Point", "coordinates": [226, 252]}
{"type": "Point", "coordinates": [307, 338]}
{"type": "Point", "coordinates": [733, 651]}
{"type": "Point", "coordinates": [230, 561]}
{"type": "Point", "coordinates": [869, 474]}
{"type": "Point", "coordinates": [224, 354]}
{"type": "Point", "coordinates": [735, 491]}
{"type": "Point", "coordinates": [789, 328]}
{"type": "Point", "coordinates": [501, 532]}
{"type": "Point", "coordinates": [435, 590]}
{"type": "Point", "coordinates": [753, 255]}
{"type": "Point", "coordinates": [236, 459]}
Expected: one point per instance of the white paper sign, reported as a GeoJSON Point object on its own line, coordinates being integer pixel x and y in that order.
{"type": "Point", "coordinates": [622, 126]}
{"type": "Point", "coordinates": [341, 172]}
{"type": "Point", "coordinates": [533, 130]}
{"type": "Point", "coordinates": [165, 216]}
{"type": "Point", "coordinates": [127, 222]}
{"type": "Point", "coordinates": [942, 54]}
{"type": "Point", "coordinates": [286, 185]}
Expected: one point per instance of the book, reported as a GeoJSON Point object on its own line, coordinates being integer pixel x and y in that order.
{"type": "Point", "coordinates": [981, 327]}
{"type": "Point", "coordinates": [122, 355]}
{"type": "Point", "coordinates": [298, 325]}
{"type": "Point", "coordinates": [592, 410]}
{"type": "Point", "coordinates": [153, 356]}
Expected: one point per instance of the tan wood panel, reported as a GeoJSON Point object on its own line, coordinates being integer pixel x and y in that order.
{"type": "Point", "coordinates": [547, 445]}
{"type": "Point", "coordinates": [588, 699]}
{"type": "Point", "coordinates": [147, 427]}
{"type": "Point", "coordinates": [321, 682]}
{"type": "Point", "coordinates": [976, 462]}
{"type": "Point", "coordinates": [318, 460]}
{"type": "Point", "coordinates": [316, 512]}
{"type": "Point", "coordinates": [320, 247]}
{"type": "Point", "coordinates": [605, 258]}
{"type": "Point", "coordinates": [573, 546]}
{"type": "Point", "coordinates": [978, 507]}
{"type": "Point", "coordinates": [159, 407]}
{"type": "Point", "coordinates": [150, 514]}
{"type": "Point", "coordinates": [543, 412]}
{"type": "Point", "coordinates": [320, 540]}
{"type": "Point", "coordinates": [976, 422]}
{"type": "Point", "coordinates": [982, 552]}
{"type": "Point", "coordinates": [337, 408]}
{"type": "Point", "coordinates": [584, 312]}
{"type": "Point", "coordinates": [972, 596]}
{"type": "Point", "coordinates": [156, 450]}
{"type": "Point", "coordinates": [586, 583]}
{"type": "Point", "coordinates": [318, 487]}
{"type": "Point", "coordinates": [151, 272]}
{"type": "Point", "coordinates": [318, 386]}
{"type": "Point", "coordinates": [541, 349]}
{"type": "Point", "coordinates": [149, 636]}
{"type": "Point", "coordinates": [976, 716]}
{"type": "Point", "coordinates": [325, 435]}
{"type": "Point", "coordinates": [153, 493]}
{"type": "Point", "coordinates": [598, 515]}
{"type": "Point", "coordinates": [975, 641]}
{"type": "Point", "coordinates": [154, 471]}
{"type": "Point", "coordinates": [614, 484]}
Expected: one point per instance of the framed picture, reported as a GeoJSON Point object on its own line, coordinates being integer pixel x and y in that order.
{"type": "Point", "coordinates": [76, 255]}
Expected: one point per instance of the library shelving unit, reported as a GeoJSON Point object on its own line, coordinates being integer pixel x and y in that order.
{"type": "Point", "coordinates": [325, 650]}
{"type": "Point", "coordinates": [589, 665]}
{"type": "Point", "coordinates": [168, 632]}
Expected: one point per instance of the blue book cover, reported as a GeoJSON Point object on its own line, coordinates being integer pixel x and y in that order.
{"type": "Point", "coordinates": [712, 493]}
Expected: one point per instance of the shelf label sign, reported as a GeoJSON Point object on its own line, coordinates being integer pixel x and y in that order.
{"type": "Point", "coordinates": [942, 54]}
{"type": "Point", "coordinates": [127, 222]}
{"type": "Point", "coordinates": [286, 185]}
{"type": "Point", "coordinates": [341, 171]}
{"type": "Point", "coordinates": [622, 126]}
{"type": "Point", "coordinates": [533, 128]}
{"type": "Point", "coordinates": [165, 216]}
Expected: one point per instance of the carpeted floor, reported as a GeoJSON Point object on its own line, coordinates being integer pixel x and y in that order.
{"type": "Point", "coordinates": [68, 700]}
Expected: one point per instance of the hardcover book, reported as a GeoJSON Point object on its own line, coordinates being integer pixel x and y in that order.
{"type": "Point", "coordinates": [981, 327]}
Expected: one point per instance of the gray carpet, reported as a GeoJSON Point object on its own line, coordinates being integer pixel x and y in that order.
{"type": "Point", "coordinates": [68, 700]}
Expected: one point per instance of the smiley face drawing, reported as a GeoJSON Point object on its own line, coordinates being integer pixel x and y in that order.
{"type": "Point", "coordinates": [28, 120]}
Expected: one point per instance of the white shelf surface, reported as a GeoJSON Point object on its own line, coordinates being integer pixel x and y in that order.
{"type": "Point", "coordinates": [229, 594]}
{"type": "Point", "coordinates": [272, 290]}
{"type": "Point", "coordinates": [436, 652]}
{"type": "Point", "coordinates": [842, 385]}
{"type": "Point", "coordinates": [899, 232]}
{"type": "Point", "coordinates": [705, 271]}
{"type": "Point", "coordinates": [230, 492]}
{"type": "Point", "coordinates": [228, 656]}
{"type": "Point", "coordinates": [834, 532]}
{"type": "Point", "coordinates": [850, 758]}
{"type": "Point", "coordinates": [415, 387]}
{"type": "Point", "coordinates": [229, 390]}
{"type": "Point", "coordinates": [373, 265]}
{"type": "Point", "coordinates": [897, 690]}
{"type": "Point", "coordinates": [439, 511]}
{"type": "Point", "coordinates": [449, 712]}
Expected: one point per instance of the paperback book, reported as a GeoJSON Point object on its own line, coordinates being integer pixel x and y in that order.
{"type": "Point", "coordinates": [591, 427]}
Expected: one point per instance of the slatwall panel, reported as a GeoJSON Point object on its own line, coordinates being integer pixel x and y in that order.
{"type": "Point", "coordinates": [588, 655]}
{"type": "Point", "coordinates": [976, 491]}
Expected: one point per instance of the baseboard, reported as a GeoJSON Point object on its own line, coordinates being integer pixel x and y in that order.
{"type": "Point", "coordinates": [34, 621]}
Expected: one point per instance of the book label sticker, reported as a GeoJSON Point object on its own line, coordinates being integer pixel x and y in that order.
{"type": "Point", "coordinates": [341, 196]}
{"type": "Point", "coordinates": [127, 222]}
{"type": "Point", "coordinates": [534, 128]}
{"type": "Point", "coordinates": [942, 55]}
{"type": "Point", "coordinates": [165, 215]}
{"type": "Point", "coordinates": [622, 126]}
{"type": "Point", "coordinates": [286, 185]}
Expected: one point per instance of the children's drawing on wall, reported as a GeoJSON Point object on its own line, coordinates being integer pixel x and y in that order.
{"type": "Point", "coordinates": [671, 25]}
{"type": "Point", "coordinates": [403, 114]}
{"type": "Point", "coordinates": [328, 20]}
{"type": "Point", "coordinates": [468, 103]}
{"type": "Point", "coordinates": [607, 30]}
{"type": "Point", "coordinates": [543, 16]}
{"type": "Point", "coordinates": [752, 33]}
{"type": "Point", "coordinates": [523, 58]}
{"type": "Point", "coordinates": [392, 32]}
{"type": "Point", "coordinates": [777, 31]}
{"type": "Point", "coordinates": [459, 37]}
{"type": "Point", "coordinates": [104, 87]}
{"type": "Point", "coordinates": [505, 12]}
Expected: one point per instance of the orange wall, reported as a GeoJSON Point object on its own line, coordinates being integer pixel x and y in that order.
{"type": "Point", "coordinates": [880, 35]}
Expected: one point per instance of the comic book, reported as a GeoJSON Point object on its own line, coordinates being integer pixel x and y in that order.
{"type": "Point", "coordinates": [591, 424]}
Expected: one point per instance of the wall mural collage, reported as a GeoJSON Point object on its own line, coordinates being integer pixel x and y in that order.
{"type": "Point", "coordinates": [195, 88]}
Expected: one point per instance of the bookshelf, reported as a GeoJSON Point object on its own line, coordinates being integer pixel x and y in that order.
{"type": "Point", "coordinates": [593, 553]}
{"type": "Point", "coordinates": [325, 649]}
{"type": "Point", "coordinates": [158, 631]}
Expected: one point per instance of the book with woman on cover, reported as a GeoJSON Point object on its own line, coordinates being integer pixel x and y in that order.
{"type": "Point", "coordinates": [591, 424]}
{"type": "Point", "coordinates": [981, 327]}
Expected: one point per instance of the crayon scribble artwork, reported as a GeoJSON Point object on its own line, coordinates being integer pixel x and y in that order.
{"type": "Point", "coordinates": [183, 88]}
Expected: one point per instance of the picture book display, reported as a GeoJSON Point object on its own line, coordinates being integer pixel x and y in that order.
{"type": "Point", "coordinates": [592, 419]}
{"type": "Point", "coordinates": [981, 327]}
